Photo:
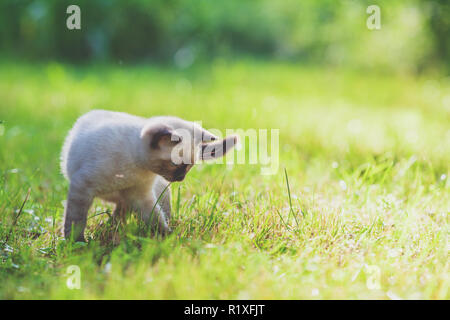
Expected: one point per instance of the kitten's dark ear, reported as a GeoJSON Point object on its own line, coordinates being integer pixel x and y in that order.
{"type": "Point", "coordinates": [214, 150]}
{"type": "Point", "coordinates": [208, 136]}
{"type": "Point", "coordinates": [158, 135]}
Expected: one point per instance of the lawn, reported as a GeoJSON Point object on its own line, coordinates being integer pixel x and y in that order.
{"type": "Point", "coordinates": [363, 213]}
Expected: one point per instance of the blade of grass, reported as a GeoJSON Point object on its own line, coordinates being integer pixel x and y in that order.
{"type": "Point", "coordinates": [16, 218]}
{"type": "Point", "coordinates": [291, 211]}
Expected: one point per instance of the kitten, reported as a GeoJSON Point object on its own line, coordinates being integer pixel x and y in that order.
{"type": "Point", "coordinates": [129, 160]}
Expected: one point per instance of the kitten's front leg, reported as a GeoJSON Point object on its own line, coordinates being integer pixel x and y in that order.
{"type": "Point", "coordinates": [161, 189]}
{"type": "Point", "coordinates": [154, 216]}
{"type": "Point", "coordinates": [119, 214]}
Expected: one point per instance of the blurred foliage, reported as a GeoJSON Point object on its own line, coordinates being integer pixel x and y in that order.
{"type": "Point", "coordinates": [414, 33]}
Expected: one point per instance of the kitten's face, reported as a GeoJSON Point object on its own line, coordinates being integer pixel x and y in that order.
{"type": "Point", "coordinates": [170, 171]}
{"type": "Point", "coordinates": [175, 146]}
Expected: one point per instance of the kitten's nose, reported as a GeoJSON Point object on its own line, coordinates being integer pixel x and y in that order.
{"type": "Point", "coordinates": [180, 172]}
{"type": "Point", "coordinates": [179, 177]}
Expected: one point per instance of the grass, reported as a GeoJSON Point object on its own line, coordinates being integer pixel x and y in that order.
{"type": "Point", "coordinates": [357, 209]}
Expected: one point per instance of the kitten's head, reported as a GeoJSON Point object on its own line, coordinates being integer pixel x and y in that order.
{"type": "Point", "coordinates": [172, 146]}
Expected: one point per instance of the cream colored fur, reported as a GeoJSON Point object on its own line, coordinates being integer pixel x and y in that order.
{"type": "Point", "coordinates": [127, 160]}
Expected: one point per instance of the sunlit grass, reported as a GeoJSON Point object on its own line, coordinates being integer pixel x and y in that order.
{"type": "Point", "coordinates": [366, 156]}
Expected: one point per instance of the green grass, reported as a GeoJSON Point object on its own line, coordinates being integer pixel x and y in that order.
{"type": "Point", "coordinates": [364, 215]}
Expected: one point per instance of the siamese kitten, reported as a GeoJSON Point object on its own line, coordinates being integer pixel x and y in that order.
{"type": "Point", "coordinates": [129, 160]}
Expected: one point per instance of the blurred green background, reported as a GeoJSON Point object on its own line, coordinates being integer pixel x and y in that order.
{"type": "Point", "coordinates": [414, 35]}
